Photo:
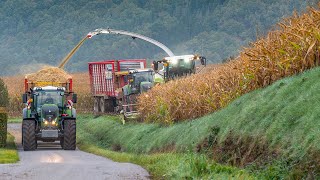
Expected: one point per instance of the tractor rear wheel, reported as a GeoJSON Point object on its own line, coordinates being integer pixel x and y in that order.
{"type": "Point", "coordinates": [29, 141]}
{"type": "Point", "coordinates": [61, 142]}
{"type": "Point", "coordinates": [69, 137]}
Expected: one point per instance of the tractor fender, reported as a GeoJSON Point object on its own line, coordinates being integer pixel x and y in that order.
{"type": "Point", "coordinates": [25, 113]}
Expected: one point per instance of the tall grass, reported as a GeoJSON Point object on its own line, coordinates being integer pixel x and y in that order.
{"type": "Point", "coordinates": [292, 47]}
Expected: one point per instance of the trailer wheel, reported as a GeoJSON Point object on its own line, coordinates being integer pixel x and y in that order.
{"type": "Point", "coordinates": [102, 105]}
{"type": "Point", "coordinates": [109, 105]}
{"type": "Point", "coordinates": [29, 141]}
{"type": "Point", "coordinates": [69, 137]}
{"type": "Point", "coordinates": [96, 108]}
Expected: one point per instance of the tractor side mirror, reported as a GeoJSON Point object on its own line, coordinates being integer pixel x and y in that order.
{"type": "Point", "coordinates": [24, 98]}
{"type": "Point", "coordinates": [155, 65]}
{"type": "Point", "coordinates": [203, 61]}
{"type": "Point", "coordinates": [74, 98]}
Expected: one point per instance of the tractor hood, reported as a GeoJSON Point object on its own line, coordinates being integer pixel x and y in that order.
{"type": "Point", "coordinates": [145, 86]}
{"type": "Point", "coordinates": [49, 112]}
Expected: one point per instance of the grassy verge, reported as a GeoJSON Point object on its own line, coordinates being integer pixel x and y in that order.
{"type": "Point", "coordinates": [169, 165]}
{"type": "Point", "coordinates": [9, 153]}
{"type": "Point", "coordinates": [273, 131]}
{"type": "Point", "coordinates": [15, 120]}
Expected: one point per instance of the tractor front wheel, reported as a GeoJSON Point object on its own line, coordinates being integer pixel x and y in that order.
{"type": "Point", "coordinates": [29, 142]}
{"type": "Point", "coordinates": [69, 137]}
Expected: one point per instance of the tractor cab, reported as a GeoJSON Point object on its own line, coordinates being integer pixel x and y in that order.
{"type": "Point", "coordinates": [49, 103]}
{"type": "Point", "coordinates": [139, 81]}
{"type": "Point", "coordinates": [178, 66]}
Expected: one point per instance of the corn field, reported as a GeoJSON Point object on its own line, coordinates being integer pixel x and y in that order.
{"type": "Point", "coordinates": [292, 47]}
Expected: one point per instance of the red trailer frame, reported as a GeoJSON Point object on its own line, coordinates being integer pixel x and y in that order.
{"type": "Point", "coordinates": [103, 80]}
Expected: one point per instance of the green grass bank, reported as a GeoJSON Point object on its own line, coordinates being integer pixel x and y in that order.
{"type": "Point", "coordinates": [9, 153]}
{"type": "Point", "coordinates": [271, 132]}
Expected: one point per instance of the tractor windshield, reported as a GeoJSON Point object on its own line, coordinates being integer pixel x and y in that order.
{"type": "Point", "coordinates": [146, 76]}
{"type": "Point", "coordinates": [49, 97]}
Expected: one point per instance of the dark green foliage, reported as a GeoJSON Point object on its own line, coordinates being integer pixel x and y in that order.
{"type": "Point", "coordinates": [45, 31]}
{"type": "Point", "coordinates": [3, 128]}
{"type": "Point", "coordinates": [4, 98]}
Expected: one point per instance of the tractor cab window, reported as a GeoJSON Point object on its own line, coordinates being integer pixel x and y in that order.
{"type": "Point", "coordinates": [49, 97]}
{"type": "Point", "coordinates": [143, 77]}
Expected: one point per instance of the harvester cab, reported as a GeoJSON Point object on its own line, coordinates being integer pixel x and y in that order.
{"type": "Point", "coordinates": [49, 116]}
{"type": "Point", "coordinates": [177, 66]}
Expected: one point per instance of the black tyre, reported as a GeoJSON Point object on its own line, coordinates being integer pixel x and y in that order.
{"type": "Point", "coordinates": [109, 107]}
{"type": "Point", "coordinates": [61, 142]}
{"type": "Point", "coordinates": [29, 142]}
{"type": "Point", "coordinates": [69, 137]}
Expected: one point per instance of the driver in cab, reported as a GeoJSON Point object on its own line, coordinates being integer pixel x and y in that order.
{"type": "Point", "coordinates": [49, 99]}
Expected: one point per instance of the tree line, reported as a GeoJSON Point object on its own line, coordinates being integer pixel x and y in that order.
{"type": "Point", "coordinates": [41, 32]}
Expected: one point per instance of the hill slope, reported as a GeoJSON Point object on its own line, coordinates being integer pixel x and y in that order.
{"type": "Point", "coordinates": [275, 129]}
{"type": "Point", "coordinates": [45, 31]}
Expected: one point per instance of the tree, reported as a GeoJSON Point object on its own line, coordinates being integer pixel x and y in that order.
{"type": "Point", "coordinates": [3, 114]}
{"type": "Point", "coordinates": [4, 98]}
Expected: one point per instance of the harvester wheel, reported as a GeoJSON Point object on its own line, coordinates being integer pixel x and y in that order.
{"type": "Point", "coordinates": [69, 137]}
{"type": "Point", "coordinates": [29, 142]}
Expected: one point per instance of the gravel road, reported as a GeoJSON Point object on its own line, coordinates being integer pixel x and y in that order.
{"type": "Point", "coordinates": [49, 161]}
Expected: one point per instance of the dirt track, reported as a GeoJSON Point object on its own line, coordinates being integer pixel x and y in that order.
{"type": "Point", "coordinates": [49, 161]}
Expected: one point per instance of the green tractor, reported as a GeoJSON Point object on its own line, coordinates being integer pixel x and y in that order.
{"type": "Point", "coordinates": [139, 81]}
{"type": "Point", "coordinates": [178, 66]}
{"type": "Point", "coordinates": [49, 116]}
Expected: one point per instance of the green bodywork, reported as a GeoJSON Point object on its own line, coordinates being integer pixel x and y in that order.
{"type": "Point", "coordinates": [139, 82]}
{"type": "Point", "coordinates": [37, 108]}
{"type": "Point", "coordinates": [158, 79]}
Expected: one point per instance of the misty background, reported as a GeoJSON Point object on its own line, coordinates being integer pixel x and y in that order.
{"type": "Point", "coordinates": [35, 33]}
